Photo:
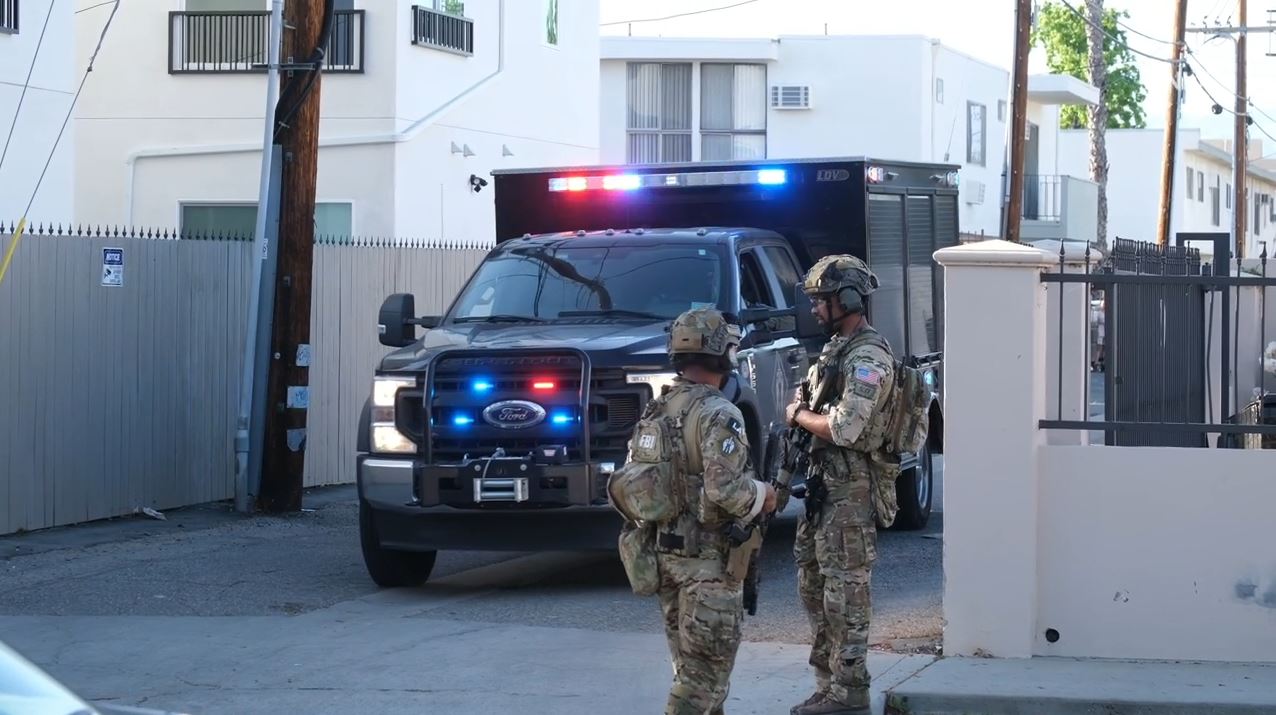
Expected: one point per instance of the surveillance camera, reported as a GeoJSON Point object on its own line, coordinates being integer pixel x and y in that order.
{"type": "Point", "coordinates": [477, 183]}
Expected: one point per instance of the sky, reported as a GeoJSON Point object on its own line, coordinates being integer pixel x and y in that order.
{"type": "Point", "coordinates": [985, 30]}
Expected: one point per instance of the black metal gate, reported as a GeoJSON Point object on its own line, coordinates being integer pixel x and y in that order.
{"type": "Point", "coordinates": [1155, 351]}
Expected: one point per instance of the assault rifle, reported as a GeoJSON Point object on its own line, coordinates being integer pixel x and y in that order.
{"type": "Point", "coordinates": [794, 458]}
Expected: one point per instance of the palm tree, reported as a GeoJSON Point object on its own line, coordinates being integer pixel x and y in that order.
{"type": "Point", "coordinates": [1098, 114]}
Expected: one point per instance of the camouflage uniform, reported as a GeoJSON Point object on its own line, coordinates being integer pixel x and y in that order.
{"type": "Point", "coordinates": [701, 603]}
{"type": "Point", "coordinates": [835, 552]}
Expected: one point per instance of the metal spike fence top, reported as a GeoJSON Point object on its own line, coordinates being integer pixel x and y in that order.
{"type": "Point", "coordinates": [39, 230]}
{"type": "Point", "coordinates": [407, 242]}
{"type": "Point", "coordinates": [50, 230]}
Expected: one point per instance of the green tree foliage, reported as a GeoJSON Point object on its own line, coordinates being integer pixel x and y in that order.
{"type": "Point", "coordinates": [1063, 34]}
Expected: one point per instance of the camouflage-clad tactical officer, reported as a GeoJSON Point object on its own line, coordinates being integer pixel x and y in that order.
{"type": "Point", "coordinates": [700, 591]}
{"type": "Point", "coordinates": [836, 544]}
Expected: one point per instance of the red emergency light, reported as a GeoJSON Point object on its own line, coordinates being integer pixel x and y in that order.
{"type": "Point", "coordinates": [544, 385]}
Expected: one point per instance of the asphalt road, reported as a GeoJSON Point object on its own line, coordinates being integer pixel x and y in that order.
{"type": "Point", "coordinates": [209, 561]}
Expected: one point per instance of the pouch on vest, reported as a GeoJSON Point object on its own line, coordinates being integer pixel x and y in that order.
{"type": "Point", "coordinates": [638, 554]}
{"type": "Point", "coordinates": [644, 488]}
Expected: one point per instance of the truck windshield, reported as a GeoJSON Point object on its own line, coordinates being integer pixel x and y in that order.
{"type": "Point", "coordinates": [637, 280]}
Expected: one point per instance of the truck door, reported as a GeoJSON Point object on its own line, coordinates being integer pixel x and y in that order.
{"type": "Point", "coordinates": [762, 357]}
{"type": "Point", "coordinates": [792, 354]}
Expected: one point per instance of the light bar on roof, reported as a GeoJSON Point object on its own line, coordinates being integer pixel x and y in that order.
{"type": "Point", "coordinates": [630, 182]}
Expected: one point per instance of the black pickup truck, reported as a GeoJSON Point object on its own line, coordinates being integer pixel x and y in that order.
{"type": "Point", "coordinates": [498, 427]}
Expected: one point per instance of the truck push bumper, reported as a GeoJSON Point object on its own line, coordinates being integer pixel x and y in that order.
{"type": "Point", "coordinates": [543, 521]}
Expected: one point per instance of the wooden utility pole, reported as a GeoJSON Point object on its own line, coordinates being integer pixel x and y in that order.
{"type": "Point", "coordinates": [1018, 118]}
{"type": "Point", "coordinates": [1239, 171]}
{"type": "Point", "coordinates": [1171, 125]}
{"type": "Point", "coordinates": [288, 385]}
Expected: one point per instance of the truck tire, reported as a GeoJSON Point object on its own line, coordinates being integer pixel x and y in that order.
{"type": "Point", "coordinates": [387, 567]}
{"type": "Point", "coordinates": [914, 489]}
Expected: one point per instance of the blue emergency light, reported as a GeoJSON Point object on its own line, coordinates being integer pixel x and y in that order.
{"type": "Point", "coordinates": [689, 179]}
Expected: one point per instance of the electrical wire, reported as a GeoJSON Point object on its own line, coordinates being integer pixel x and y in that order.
{"type": "Point", "coordinates": [1248, 100]}
{"type": "Point", "coordinates": [1115, 40]}
{"type": "Point", "coordinates": [71, 109]}
{"type": "Point", "coordinates": [17, 236]}
{"type": "Point", "coordinates": [25, 85]}
{"type": "Point", "coordinates": [1144, 35]}
{"type": "Point", "coordinates": [681, 14]}
{"type": "Point", "coordinates": [316, 60]}
{"type": "Point", "coordinates": [93, 7]}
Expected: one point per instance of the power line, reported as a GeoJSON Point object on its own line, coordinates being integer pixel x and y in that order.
{"type": "Point", "coordinates": [93, 7]}
{"type": "Point", "coordinates": [681, 14]}
{"type": "Point", "coordinates": [1232, 112]}
{"type": "Point", "coordinates": [71, 109]}
{"type": "Point", "coordinates": [1143, 34]}
{"type": "Point", "coordinates": [1115, 40]}
{"type": "Point", "coordinates": [25, 85]}
{"type": "Point", "coordinates": [1248, 100]}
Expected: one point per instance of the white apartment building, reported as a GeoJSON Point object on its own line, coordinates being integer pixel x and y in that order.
{"type": "Point", "coordinates": [893, 97]}
{"type": "Point", "coordinates": [48, 98]}
{"type": "Point", "coordinates": [1202, 185]}
{"type": "Point", "coordinates": [417, 98]}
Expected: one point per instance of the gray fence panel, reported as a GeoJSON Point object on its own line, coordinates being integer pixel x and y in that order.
{"type": "Point", "coordinates": [117, 398]}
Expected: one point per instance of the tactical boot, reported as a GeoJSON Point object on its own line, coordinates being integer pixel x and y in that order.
{"type": "Point", "coordinates": [824, 706]}
{"type": "Point", "coordinates": [818, 696]}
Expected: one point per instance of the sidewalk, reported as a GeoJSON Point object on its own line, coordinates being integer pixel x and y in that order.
{"type": "Point", "coordinates": [353, 658]}
{"type": "Point", "coordinates": [1067, 686]}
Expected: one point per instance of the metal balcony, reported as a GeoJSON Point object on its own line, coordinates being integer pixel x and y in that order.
{"type": "Point", "coordinates": [442, 30]}
{"type": "Point", "coordinates": [221, 42]}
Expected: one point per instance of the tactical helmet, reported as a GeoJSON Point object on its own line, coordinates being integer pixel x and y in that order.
{"type": "Point", "coordinates": [705, 331]}
{"type": "Point", "coordinates": [846, 276]}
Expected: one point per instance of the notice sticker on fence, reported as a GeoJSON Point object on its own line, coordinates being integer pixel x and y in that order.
{"type": "Point", "coordinates": [113, 267]}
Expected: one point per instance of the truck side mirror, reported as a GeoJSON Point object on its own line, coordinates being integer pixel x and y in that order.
{"type": "Point", "coordinates": [808, 326]}
{"type": "Point", "coordinates": [397, 321]}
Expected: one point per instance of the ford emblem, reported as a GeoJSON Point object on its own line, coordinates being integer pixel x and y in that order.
{"type": "Point", "coordinates": [514, 414]}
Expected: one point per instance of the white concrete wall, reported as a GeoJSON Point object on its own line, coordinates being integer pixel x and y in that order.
{"type": "Point", "coordinates": [542, 106]}
{"type": "Point", "coordinates": [1123, 552]}
{"type": "Point", "coordinates": [1156, 552]}
{"type": "Point", "coordinates": [1134, 184]}
{"type": "Point", "coordinates": [385, 135]}
{"type": "Point", "coordinates": [48, 98]}
{"type": "Point", "coordinates": [1134, 158]}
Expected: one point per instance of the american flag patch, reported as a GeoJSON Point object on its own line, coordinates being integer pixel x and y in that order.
{"type": "Point", "coordinates": [868, 375]}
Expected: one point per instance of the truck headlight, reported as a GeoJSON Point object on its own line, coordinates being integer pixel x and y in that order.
{"type": "Point", "coordinates": [656, 380]}
{"type": "Point", "coordinates": [386, 437]}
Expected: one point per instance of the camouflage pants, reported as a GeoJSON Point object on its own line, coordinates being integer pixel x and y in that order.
{"type": "Point", "coordinates": [703, 610]}
{"type": "Point", "coordinates": [835, 560]}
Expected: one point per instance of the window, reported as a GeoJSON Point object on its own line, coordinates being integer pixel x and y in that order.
{"type": "Point", "coordinates": [1001, 110]}
{"type": "Point", "coordinates": [8, 15]}
{"type": "Point", "coordinates": [1200, 187]}
{"type": "Point", "coordinates": [754, 292]}
{"type": "Point", "coordinates": [976, 134]}
{"type": "Point", "coordinates": [732, 112]}
{"type": "Point", "coordinates": [1229, 197]}
{"type": "Point", "coordinates": [332, 219]}
{"type": "Point", "coordinates": [545, 282]}
{"type": "Point", "coordinates": [939, 90]}
{"type": "Point", "coordinates": [659, 112]}
{"type": "Point", "coordinates": [1191, 182]}
{"type": "Point", "coordinates": [1214, 213]}
{"type": "Point", "coordinates": [787, 273]}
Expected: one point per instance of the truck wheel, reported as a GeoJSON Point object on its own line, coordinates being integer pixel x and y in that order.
{"type": "Point", "coordinates": [914, 491]}
{"type": "Point", "coordinates": [387, 567]}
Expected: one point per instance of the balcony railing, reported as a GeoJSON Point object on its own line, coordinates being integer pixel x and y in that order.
{"type": "Point", "coordinates": [1057, 207]}
{"type": "Point", "coordinates": [235, 42]}
{"type": "Point", "coordinates": [442, 30]}
{"type": "Point", "coordinates": [8, 16]}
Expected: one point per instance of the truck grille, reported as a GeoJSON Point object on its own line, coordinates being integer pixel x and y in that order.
{"type": "Point", "coordinates": [464, 385]}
